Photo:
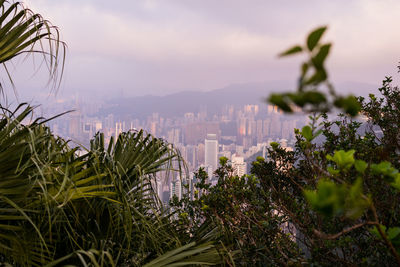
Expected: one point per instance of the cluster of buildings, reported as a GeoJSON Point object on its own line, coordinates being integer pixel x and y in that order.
{"type": "Point", "coordinates": [239, 133]}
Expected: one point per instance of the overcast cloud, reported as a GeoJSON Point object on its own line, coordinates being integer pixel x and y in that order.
{"type": "Point", "coordinates": [159, 47]}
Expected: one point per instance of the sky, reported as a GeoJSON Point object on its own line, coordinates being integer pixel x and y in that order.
{"type": "Point", "coordinates": [158, 47]}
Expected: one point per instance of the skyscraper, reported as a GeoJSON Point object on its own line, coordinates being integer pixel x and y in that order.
{"type": "Point", "coordinates": [238, 165]}
{"type": "Point", "coordinates": [75, 125]}
{"type": "Point", "coordinates": [175, 188]}
{"type": "Point", "coordinates": [211, 151]}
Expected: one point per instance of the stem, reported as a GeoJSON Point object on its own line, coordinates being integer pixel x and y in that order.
{"type": "Point", "coordinates": [345, 231]}
{"type": "Point", "coordinates": [384, 237]}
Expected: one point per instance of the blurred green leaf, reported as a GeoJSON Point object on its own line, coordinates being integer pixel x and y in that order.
{"type": "Point", "coordinates": [356, 204]}
{"type": "Point", "coordinates": [375, 231]}
{"type": "Point", "coordinates": [298, 99]}
{"type": "Point", "coordinates": [332, 171]}
{"type": "Point", "coordinates": [279, 100]}
{"type": "Point", "coordinates": [385, 168]}
{"type": "Point", "coordinates": [396, 182]}
{"type": "Point", "coordinates": [314, 97]}
{"type": "Point", "coordinates": [318, 77]}
{"type": "Point", "coordinates": [306, 132]}
{"type": "Point", "coordinates": [274, 145]}
{"type": "Point", "coordinates": [304, 69]}
{"type": "Point", "coordinates": [223, 161]}
{"type": "Point", "coordinates": [393, 232]}
{"type": "Point", "coordinates": [328, 199]}
{"type": "Point", "coordinates": [314, 37]}
{"type": "Point", "coordinates": [360, 166]}
{"type": "Point", "coordinates": [349, 104]}
{"type": "Point", "coordinates": [293, 50]}
{"type": "Point", "coordinates": [319, 59]}
{"type": "Point", "coordinates": [343, 159]}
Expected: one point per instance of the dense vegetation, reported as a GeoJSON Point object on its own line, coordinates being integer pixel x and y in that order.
{"type": "Point", "coordinates": [69, 205]}
{"type": "Point", "coordinates": [333, 200]}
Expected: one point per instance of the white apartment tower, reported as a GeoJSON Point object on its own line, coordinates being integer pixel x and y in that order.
{"type": "Point", "coordinates": [211, 151]}
{"type": "Point", "coordinates": [238, 165]}
{"type": "Point", "coordinates": [175, 188]}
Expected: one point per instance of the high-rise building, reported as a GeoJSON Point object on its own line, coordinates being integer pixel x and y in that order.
{"type": "Point", "coordinates": [158, 186]}
{"type": "Point", "coordinates": [242, 126]}
{"type": "Point", "coordinates": [176, 188]}
{"type": "Point", "coordinates": [119, 128]}
{"type": "Point", "coordinates": [191, 156]}
{"type": "Point", "coordinates": [75, 125]}
{"type": "Point", "coordinates": [200, 153]}
{"type": "Point", "coordinates": [259, 131]}
{"type": "Point", "coordinates": [238, 165]}
{"type": "Point", "coordinates": [211, 151]}
{"type": "Point", "coordinates": [195, 133]}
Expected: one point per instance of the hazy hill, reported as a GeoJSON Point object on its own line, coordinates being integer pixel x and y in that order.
{"type": "Point", "coordinates": [193, 101]}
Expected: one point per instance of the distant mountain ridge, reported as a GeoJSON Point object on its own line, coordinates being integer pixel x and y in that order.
{"type": "Point", "coordinates": [191, 101]}
{"type": "Point", "coordinates": [177, 104]}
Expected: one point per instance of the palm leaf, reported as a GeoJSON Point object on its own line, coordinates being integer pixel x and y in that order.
{"type": "Point", "coordinates": [23, 32]}
{"type": "Point", "coordinates": [190, 254]}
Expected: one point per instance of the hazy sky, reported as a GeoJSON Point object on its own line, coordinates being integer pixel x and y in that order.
{"type": "Point", "coordinates": [157, 47]}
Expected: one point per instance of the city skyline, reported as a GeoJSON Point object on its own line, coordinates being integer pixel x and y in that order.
{"type": "Point", "coordinates": [239, 131]}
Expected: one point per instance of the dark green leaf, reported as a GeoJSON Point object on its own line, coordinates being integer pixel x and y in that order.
{"type": "Point", "coordinates": [274, 145]}
{"type": "Point", "coordinates": [349, 104]}
{"type": "Point", "coordinates": [304, 69]}
{"type": "Point", "coordinates": [343, 159]}
{"type": "Point", "coordinates": [280, 101]}
{"type": "Point", "coordinates": [314, 97]}
{"type": "Point", "coordinates": [319, 59]}
{"type": "Point", "coordinates": [393, 232]}
{"type": "Point", "coordinates": [314, 37]}
{"type": "Point", "coordinates": [306, 132]}
{"type": "Point", "coordinates": [298, 99]}
{"type": "Point", "coordinates": [318, 77]}
{"type": "Point", "coordinates": [294, 50]}
{"type": "Point", "coordinates": [328, 199]}
{"type": "Point", "coordinates": [360, 166]}
{"type": "Point", "coordinates": [356, 204]}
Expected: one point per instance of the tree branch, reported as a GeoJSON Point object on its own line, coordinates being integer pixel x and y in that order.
{"type": "Point", "coordinates": [345, 231]}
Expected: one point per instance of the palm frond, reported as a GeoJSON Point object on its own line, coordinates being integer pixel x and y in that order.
{"type": "Point", "coordinates": [191, 254]}
{"type": "Point", "coordinates": [24, 32]}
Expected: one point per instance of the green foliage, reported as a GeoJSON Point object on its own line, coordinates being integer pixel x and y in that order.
{"type": "Point", "coordinates": [343, 159]}
{"type": "Point", "coordinates": [313, 75]}
{"type": "Point", "coordinates": [336, 180]}
{"type": "Point", "coordinates": [338, 190]}
{"type": "Point", "coordinates": [223, 161]}
{"type": "Point", "coordinates": [389, 173]}
{"type": "Point", "coordinates": [360, 166]}
{"type": "Point", "coordinates": [385, 169]}
{"type": "Point", "coordinates": [294, 50]}
{"type": "Point", "coordinates": [99, 208]}
{"type": "Point", "coordinates": [280, 100]}
{"type": "Point", "coordinates": [348, 104]}
{"type": "Point", "coordinates": [242, 213]}
{"type": "Point", "coordinates": [328, 199]}
{"type": "Point", "coordinates": [331, 199]}
{"type": "Point", "coordinates": [356, 202]}
{"type": "Point", "coordinates": [363, 189]}
{"type": "Point", "coordinates": [96, 208]}
{"type": "Point", "coordinates": [25, 32]}
{"type": "Point", "coordinates": [314, 37]}
{"type": "Point", "coordinates": [306, 132]}
{"type": "Point", "coordinates": [396, 182]}
{"type": "Point", "coordinates": [274, 145]}
{"type": "Point", "coordinates": [392, 234]}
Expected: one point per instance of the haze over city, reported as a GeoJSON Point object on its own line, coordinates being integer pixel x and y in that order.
{"type": "Point", "coordinates": [161, 47]}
